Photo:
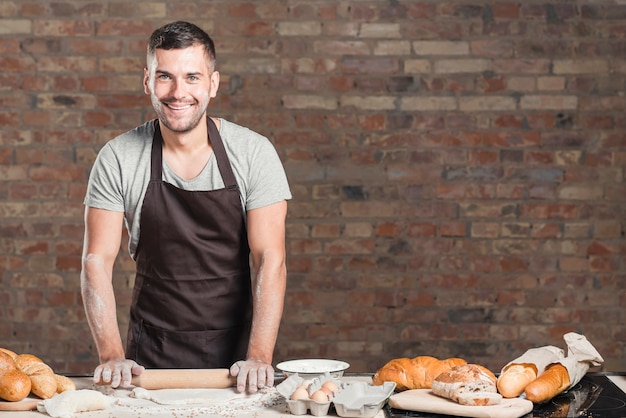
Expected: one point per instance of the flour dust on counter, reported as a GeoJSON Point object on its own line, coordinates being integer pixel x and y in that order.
{"type": "Point", "coordinates": [199, 402]}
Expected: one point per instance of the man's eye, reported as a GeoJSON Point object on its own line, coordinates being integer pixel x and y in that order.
{"type": "Point", "coordinates": [163, 77]}
{"type": "Point", "coordinates": [193, 78]}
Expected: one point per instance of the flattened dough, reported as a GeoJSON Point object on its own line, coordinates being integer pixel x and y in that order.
{"type": "Point", "coordinates": [66, 404]}
{"type": "Point", "coordinates": [193, 396]}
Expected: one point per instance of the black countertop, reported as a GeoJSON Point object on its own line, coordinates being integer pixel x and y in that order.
{"type": "Point", "coordinates": [595, 396]}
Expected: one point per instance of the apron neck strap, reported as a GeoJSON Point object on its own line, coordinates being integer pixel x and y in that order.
{"type": "Point", "coordinates": [156, 157]}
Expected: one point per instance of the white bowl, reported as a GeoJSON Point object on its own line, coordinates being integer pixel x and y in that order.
{"type": "Point", "coordinates": [313, 367]}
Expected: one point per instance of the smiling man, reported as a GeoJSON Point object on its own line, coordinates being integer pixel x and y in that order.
{"type": "Point", "coordinates": [204, 201]}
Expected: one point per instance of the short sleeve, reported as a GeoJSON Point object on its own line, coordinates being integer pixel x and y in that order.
{"type": "Point", "coordinates": [104, 189]}
{"type": "Point", "coordinates": [267, 179]}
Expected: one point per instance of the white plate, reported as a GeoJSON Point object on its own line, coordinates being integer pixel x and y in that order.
{"type": "Point", "coordinates": [313, 367]}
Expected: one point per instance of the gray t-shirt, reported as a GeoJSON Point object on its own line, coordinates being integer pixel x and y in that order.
{"type": "Point", "coordinates": [121, 173]}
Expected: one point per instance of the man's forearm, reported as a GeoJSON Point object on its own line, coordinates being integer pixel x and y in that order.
{"type": "Point", "coordinates": [268, 296]}
{"type": "Point", "coordinates": [99, 304]}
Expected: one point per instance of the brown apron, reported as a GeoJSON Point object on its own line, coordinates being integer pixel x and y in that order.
{"type": "Point", "coordinates": [192, 302]}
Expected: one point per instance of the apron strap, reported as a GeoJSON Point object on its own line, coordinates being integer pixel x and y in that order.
{"type": "Point", "coordinates": [156, 157]}
{"type": "Point", "coordinates": [226, 171]}
{"type": "Point", "coordinates": [220, 154]}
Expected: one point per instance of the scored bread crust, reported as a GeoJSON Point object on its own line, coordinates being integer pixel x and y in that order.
{"type": "Point", "coordinates": [9, 352]}
{"type": "Point", "coordinates": [42, 378]}
{"type": "Point", "coordinates": [25, 373]}
{"type": "Point", "coordinates": [416, 373]}
{"type": "Point", "coordinates": [6, 362]}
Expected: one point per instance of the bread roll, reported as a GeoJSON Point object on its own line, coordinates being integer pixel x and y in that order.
{"type": "Point", "coordinates": [514, 379]}
{"type": "Point", "coordinates": [467, 384]}
{"type": "Point", "coordinates": [554, 380]}
{"type": "Point", "coordinates": [15, 385]}
{"type": "Point", "coordinates": [64, 383]}
{"type": "Point", "coordinates": [416, 373]}
{"type": "Point", "coordinates": [43, 382]}
{"type": "Point", "coordinates": [6, 362]}
{"type": "Point", "coordinates": [9, 352]}
{"type": "Point", "coordinates": [23, 359]}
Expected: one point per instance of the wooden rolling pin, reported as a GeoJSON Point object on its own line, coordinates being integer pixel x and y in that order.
{"type": "Point", "coordinates": [184, 379]}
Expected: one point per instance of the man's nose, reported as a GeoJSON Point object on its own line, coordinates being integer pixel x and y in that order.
{"type": "Point", "coordinates": [178, 89]}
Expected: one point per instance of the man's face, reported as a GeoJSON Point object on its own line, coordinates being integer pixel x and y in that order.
{"type": "Point", "coordinates": [180, 86]}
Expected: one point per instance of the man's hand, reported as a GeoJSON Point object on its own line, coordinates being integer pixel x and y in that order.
{"type": "Point", "coordinates": [117, 372]}
{"type": "Point", "coordinates": [255, 373]}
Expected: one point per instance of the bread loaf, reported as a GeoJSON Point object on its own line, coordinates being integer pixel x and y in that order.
{"type": "Point", "coordinates": [9, 352]}
{"type": "Point", "coordinates": [416, 373]}
{"type": "Point", "coordinates": [6, 362]}
{"type": "Point", "coordinates": [15, 385]}
{"type": "Point", "coordinates": [479, 398]}
{"type": "Point", "coordinates": [64, 383]}
{"type": "Point", "coordinates": [514, 379]}
{"type": "Point", "coordinates": [554, 380]}
{"type": "Point", "coordinates": [467, 384]}
{"type": "Point", "coordinates": [43, 382]}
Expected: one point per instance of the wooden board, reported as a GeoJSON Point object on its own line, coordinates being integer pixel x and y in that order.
{"type": "Point", "coordinates": [26, 404]}
{"type": "Point", "coordinates": [423, 400]}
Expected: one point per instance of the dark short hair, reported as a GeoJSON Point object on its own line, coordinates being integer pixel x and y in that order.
{"type": "Point", "coordinates": [179, 35]}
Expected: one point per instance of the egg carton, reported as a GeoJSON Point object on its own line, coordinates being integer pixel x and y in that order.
{"type": "Point", "coordinates": [302, 406]}
{"type": "Point", "coordinates": [362, 399]}
{"type": "Point", "coordinates": [353, 399]}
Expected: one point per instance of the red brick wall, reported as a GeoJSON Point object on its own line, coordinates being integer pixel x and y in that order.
{"type": "Point", "coordinates": [457, 167]}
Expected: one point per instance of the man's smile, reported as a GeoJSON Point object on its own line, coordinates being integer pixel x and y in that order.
{"type": "Point", "coordinates": [178, 107]}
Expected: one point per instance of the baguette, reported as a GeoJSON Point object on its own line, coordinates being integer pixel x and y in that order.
{"type": "Point", "coordinates": [416, 373]}
{"type": "Point", "coordinates": [554, 380]}
{"type": "Point", "coordinates": [468, 384]}
{"type": "Point", "coordinates": [514, 379]}
{"type": "Point", "coordinates": [43, 382]}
